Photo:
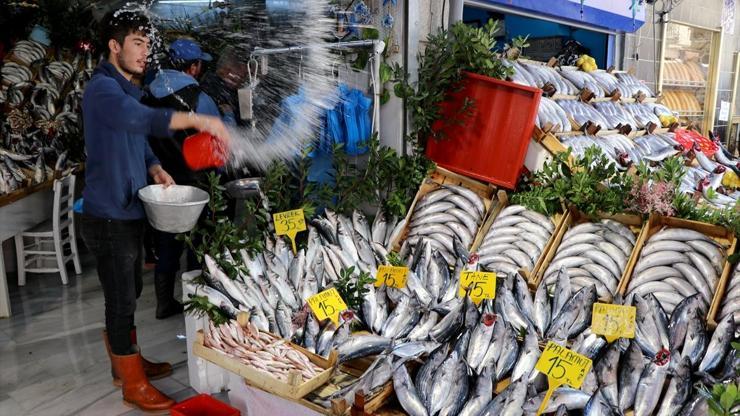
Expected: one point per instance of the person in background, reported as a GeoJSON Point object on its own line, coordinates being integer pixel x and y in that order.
{"type": "Point", "coordinates": [116, 127]}
{"type": "Point", "coordinates": [177, 88]}
{"type": "Point", "coordinates": [222, 84]}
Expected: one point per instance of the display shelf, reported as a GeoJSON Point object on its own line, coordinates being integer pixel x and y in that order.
{"type": "Point", "coordinates": [684, 83]}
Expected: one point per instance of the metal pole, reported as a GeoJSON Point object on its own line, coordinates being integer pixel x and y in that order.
{"type": "Point", "coordinates": [456, 12]}
{"type": "Point", "coordinates": [337, 45]}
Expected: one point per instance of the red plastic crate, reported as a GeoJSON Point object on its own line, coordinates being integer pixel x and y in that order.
{"type": "Point", "coordinates": [489, 140]}
{"type": "Point", "coordinates": [203, 405]}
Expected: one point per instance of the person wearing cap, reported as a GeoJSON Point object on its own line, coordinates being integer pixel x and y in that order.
{"type": "Point", "coordinates": [177, 88]}
{"type": "Point", "coordinates": [119, 159]}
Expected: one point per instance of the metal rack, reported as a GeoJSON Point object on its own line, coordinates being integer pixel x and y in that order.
{"type": "Point", "coordinates": [377, 45]}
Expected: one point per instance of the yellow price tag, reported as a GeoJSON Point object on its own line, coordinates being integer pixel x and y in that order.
{"type": "Point", "coordinates": [613, 321]}
{"type": "Point", "coordinates": [561, 366]}
{"type": "Point", "coordinates": [327, 304]}
{"type": "Point", "coordinates": [289, 223]}
{"type": "Point", "coordinates": [482, 285]}
{"type": "Point", "coordinates": [392, 276]}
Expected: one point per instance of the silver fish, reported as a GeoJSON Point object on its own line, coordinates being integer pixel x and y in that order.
{"type": "Point", "coordinates": [406, 392]}
{"type": "Point", "coordinates": [718, 345]}
{"type": "Point", "coordinates": [678, 390]}
{"type": "Point", "coordinates": [631, 367]}
{"type": "Point", "coordinates": [541, 312]}
{"type": "Point", "coordinates": [359, 222]}
{"type": "Point", "coordinates": [651, 381]}
{"type": "Point", "coordinates": [528, 356]}
{"type": "Point", "coordinates": [362, 346]}
{"type": "Point", "coordinates": [569, 398]}
{"type": "Point", "coordinates": [482, 395]}
{"type": "Point", "coordinates": [480, 340]}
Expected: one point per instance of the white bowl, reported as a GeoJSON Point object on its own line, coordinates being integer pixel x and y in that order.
{"type": "Point", "coordinates": [174, 209]}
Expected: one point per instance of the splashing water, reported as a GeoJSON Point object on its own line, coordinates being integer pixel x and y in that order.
{"type": "Point", "coordinates": [290, 100]}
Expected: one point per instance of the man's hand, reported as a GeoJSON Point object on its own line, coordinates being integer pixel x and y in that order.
{"type": "Point", "coordinates": [200, 122]}
{"type": "Point", "coordinates": [160, 176]}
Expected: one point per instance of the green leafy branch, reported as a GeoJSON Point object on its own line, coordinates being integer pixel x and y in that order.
{"type": "Point", "coordinates": [199, 306]}
{"type": "Point", "coordinates": [447, 55]}
{"type": "Point", "coordinates": [352, 288]}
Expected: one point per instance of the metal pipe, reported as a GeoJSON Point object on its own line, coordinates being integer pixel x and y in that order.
{"type": "Point", "coordinates": [336, 45]}
{"type": "Point", "coordinates": [482, 4]}
{"type": "Point", "coordinates": [456, 12]}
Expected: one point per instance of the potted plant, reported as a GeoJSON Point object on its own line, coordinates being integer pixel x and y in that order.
{"type": "Point", "coordinates": [464, 115]}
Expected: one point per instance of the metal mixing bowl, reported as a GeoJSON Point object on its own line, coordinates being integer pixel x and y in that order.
{"type": "Point", "coordinates": [174, 209]}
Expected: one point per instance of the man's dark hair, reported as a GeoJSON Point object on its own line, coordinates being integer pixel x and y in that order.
{"type": "Point", "coordinates": [181, 64]}
{"type": "Point", "coordinates": [121, 23]}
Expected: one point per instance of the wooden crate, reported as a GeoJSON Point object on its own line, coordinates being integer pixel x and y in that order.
{"type": "Point", "coordinates": [369, 404]}
{"type": "Point", "coordinates": [575, 217]}
{"type": "Point", "coordinates": [719, 234]}
{"type": "Point", "coordinates": [293, 389]}
{"type": "Point", "coordinates": [719, 295]}
{"type": "Point", "coordinates": [503, 202]}
{"type": "Point", "coordinates": [435, 180]}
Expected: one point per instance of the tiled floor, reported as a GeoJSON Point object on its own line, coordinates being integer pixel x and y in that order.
{"type": "Point", "coordinates": [52, 358]}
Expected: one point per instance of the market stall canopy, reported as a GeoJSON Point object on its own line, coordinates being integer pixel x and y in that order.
{"type": "Point", "coordinates": [606, 14]}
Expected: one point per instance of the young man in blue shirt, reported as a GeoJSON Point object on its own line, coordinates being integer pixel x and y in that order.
{"type": "Point", "coordinates": [116, 127]}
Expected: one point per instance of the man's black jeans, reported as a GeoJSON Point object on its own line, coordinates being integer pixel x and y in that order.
{"type": "Point", "coordinates": [117, 246]}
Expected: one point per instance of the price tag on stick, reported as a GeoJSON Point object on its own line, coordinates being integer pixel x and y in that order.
{"type": "Point", "coordinates": [392, 276]}
{"type": "Point", "coordinates": [327, 304]}
{"type": "Point", "coordinates": [289, 223]}
{"type": "Point", "coordinates": [482, 285]}
{"type": "Point", "coordinates": [561, 366]}
{"type": "Point", "coordinates": [613, 321]}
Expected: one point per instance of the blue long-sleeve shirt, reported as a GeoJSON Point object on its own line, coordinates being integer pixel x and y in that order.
{"type": "Point", "coordinates": [116, 127]}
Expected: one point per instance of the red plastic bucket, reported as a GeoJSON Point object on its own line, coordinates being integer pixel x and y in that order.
{"type": "Point", "coordinates": [204, 151]}
{"type": "Point", "coordinates": [203, 405]}
{"type": "Point", "coordinates": [488, 140]}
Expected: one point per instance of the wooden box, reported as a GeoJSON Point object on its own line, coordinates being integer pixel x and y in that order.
{"type": "Point", "coordinates": [440, 177]}
{"type": "Point", "coordinates": [719, 234]}
{"type": "Point", "coordinates": [574, 217]}
{"type": "Point", "coordinates": [503, 202]}
{"type": "Point", "coordinates": [293, 389]}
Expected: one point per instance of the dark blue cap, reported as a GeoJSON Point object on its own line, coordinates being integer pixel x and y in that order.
{"type": "Point", "coordinates": [187, 50]}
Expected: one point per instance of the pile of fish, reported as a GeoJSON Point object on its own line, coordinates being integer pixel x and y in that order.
{"type": "Point", "coordinates": [516, 240]}
{"type": "Point", "coordinates": [443, 216]}
{"type": "Point", "coordinates": [278, 283]}
{"type": "Point", "coordinates": [615, 114]}
{"type": "Point", "coordinates": [631, 86]}
{"type": "Point", "coordinates": [731, 302]}
{"type": "Point", "coordinates": [593, 253]}
{"type": "Point", "coordinates": [27, 52]}
{"type": "Point", "coordinates": [607, 81]}
{"type": "Point", "coordinates": [542, 75]}
{"type": "Point", "coordinates": [583, 80]}
{"type": "Point", "coordinates": [551, 113]}
{"type": "Point", "coordinates": [18, 170]}
{"type": "Point", "coordinates": [259, 350]}
{"type": "Point", "coordinates": [643, 114]}
{"type": "Point", "coordinates": [708, 177]}
{"type": "Point", "coordinates": [676, 263]}
{"type": "Point", "coordinates": [583, 113]}
{"type": "Point", "coordinates": [622, 151]}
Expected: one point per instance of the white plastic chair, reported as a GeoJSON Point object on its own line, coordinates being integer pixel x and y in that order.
{"type": "Point", "coordinates": [50, 238]}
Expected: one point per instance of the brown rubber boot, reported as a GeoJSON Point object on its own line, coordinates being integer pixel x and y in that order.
{"type": "Point", "coordinates": [136, 389]}
{"type": "Point", "coordinates": [153, 371]}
